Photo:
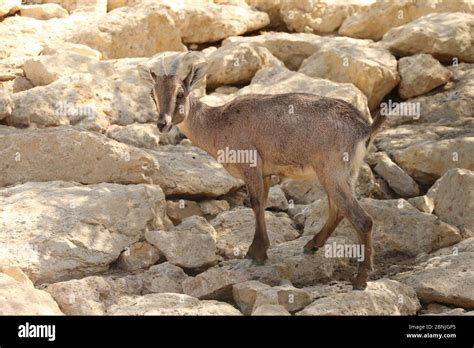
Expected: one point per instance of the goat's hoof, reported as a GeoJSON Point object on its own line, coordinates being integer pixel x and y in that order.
{"type": "Point", "coordinates": [257, 259]}
{"type": "Point", "coordinates": [309, 248]}
{"type": "Point", "coordinates": [359, 283]}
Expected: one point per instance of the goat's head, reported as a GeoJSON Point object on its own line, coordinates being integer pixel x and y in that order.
{"type": "Point", "coordinates": [170, 92]}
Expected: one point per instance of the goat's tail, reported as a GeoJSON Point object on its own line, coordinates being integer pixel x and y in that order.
{"type": "Point", "coordinates": [379, 119]}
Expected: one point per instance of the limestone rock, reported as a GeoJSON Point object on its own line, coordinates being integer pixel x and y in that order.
{"type": "Point", "coordinates": [164, 277]}
{"type": "Point", "coordinates": [452, 197]}
{"type": "Point", "coordinates": [235, 230]}
{"type": "Point", "coordinates": [179, 210]}
{"type": "Point", "coordinates": [443, 35]}
{"type": "Point", "coordinates": [109, 102]}
{"type": "Point", "coordinates": [422, 203]}
{"type": "Point", "coordinates": [237, 64]}
{"type": "Point", "coordinates": [215, 283]}
{"type": "Point", "coordinates": [169, 304]}
{"type": "Point", "coordinates": [381, 297]}
{"type": "Point", "coordinates": [280, 80]}
{"type": "Point", "coordinates": [58, 230]}
{"type": "Point", "coordinates": [53, 48]}
{"type": "Point", "coordinates": [119, 33]}
{"type": "Point", "coordinates": [9, 7]}
{"type": "Point", "coordinates": [189, 245]}
{"type": "Point", "coordinates": [6, 104]}
{"type": "Point", "coordinates": [43, 11]}
{"type": "Point", "coordinates": [372, 70]}
{"type": "Point", "coordinates": [145, 135]}
{"type": "Point", "coordinates": [396, 177]}
{"type": "Point", "coordinates": [398, 228]}
{"type": "Point", "coordinates": [292, 49]}
{"type": "Point", "coordinates": [318, 16]}
{"type": "Point", "coordinates": [303, 269]}
{"type": "Point", "coordinates": [277, 199]}
{"type": "Point", "coordinates": [271, 309]}
{"type": "Point", "coordinates": [445, 279]}
{"type": "Point", "coordinates": [420, 74]}
{"type": "Point", "coordinates": [251, 295]}
{"type": "Point", "coordinates": [209, 22]}
{"type": "Point", "coordinates": [137, 256]}
{"type": "Point", "coordinates": [427, 152]}
{"type": "Point", "coordinates": [209, 178]}
{"type": "Point", "coordinates": [55, 154]}
{"type": "Point", "coordinates": [381, 16]}
{"type": "Point", "coordinates": [212, 208]}
{"type": "Point", "coordinates": [17, 298]}
{"type": "Point", "coordinates": [89, 6]}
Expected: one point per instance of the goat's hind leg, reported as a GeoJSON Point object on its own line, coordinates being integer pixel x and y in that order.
{"type": "Point", "coordinates": [362, 223]}
{"type": "Point", "coordinates": [334, 218]}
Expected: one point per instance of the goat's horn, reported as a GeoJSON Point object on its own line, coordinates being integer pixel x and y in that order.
{"type": "Point", "coordinates": [163, 69]}
{"type": "Point", "coordinates": [177, 61]}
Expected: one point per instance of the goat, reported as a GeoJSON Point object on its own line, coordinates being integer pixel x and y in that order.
{"type": "Point", "coordinates": [294, 135]}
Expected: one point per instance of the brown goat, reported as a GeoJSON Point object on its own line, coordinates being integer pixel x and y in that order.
{"type": "Point", "coordinates": [293, 135]}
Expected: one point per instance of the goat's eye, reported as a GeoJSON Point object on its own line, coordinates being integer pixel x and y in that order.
{"type": "Point", "coordinates": [180, 95]}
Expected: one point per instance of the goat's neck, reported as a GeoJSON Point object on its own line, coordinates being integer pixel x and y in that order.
{"type": "Point", "coordinates": [198, 125]}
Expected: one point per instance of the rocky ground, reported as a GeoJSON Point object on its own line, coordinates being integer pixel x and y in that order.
{"type": "Point", "coordinates": [102, 214]}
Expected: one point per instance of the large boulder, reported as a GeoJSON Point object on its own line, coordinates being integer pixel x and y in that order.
{"type": "Point", "coordinates": [381, 297]}
{"type": "Point", "coordinates": [372, 70]}
{"type": "Point", "coordinates": [97, 6]}
{"type": "Point", "coordinates": [448, 105]}
{"type": "Point", "coordinates": [59, 230]}
{"type": "Point", "coordinates": [420, 74]}
{"type": "Point", "coordinates": [235, 230]}
{"type": "Point", "coordinates": [69, 154]}
{"type": "Point", "coordinates": [21, 298]}
{"type": "Point", "coordinates": [137, 256]}
{"type": "Point", "coordinates": [272, 8]}
{"type": "Point", "coordinates": [108, 102]}
{"type": "Point", "coordinates": [215, 283]}
{"type": "Point", "coordinates": [399, 228]}
{"type": "Point", "coordinates": [292, 49]}
{"type": "Point", "coordinates": [427, 152]}
{"type": "Point", "coordinates": [9, 6]}
{"type": "Point", "coordinates": [43, 11]}
{"type": "Point", "coordinates": [279, 80]}
{"type": "Point", "coordinates": [251, 295]}
{"type": "Point", "coordinates": [204, 176]}
{"type": "Point", "coordinates": [237, 63]}
{"type": "Point", "coordinates": [382, 15]}
{"type": "Point", "coordinates": [395, 176]}
{"type": "Point", "coordinates": [446, 36]}
{"type": "Point", "coordinates": [303, 269]}
{"type": "Point", "coordinates": [447, 279]}
{"type": "Point", "coordinates": [318, 16]}
{"type": "Point", "coordinates": [120, 33]}
{"type": "Point", "coordinates": [452, 197]}
{"type": "Point", "coordinates": [209, 22]}
{"type": "Point", "coordinates": [141, 135]}
{"type": "Point", "coordinates": [190, 245]}
{"type": "Point", "coordinates": [47, 68]}
{"type": "Point", "coordinates": [169, 304]}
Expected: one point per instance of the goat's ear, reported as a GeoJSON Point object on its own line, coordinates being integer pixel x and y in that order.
{"type": "Point", "coordinates": [197, 74]}
{"type": "Point", "coordinates": [147, 75]}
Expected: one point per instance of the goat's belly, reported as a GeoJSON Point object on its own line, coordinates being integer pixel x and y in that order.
{"type": "Point", "coordinates": [291, 172]}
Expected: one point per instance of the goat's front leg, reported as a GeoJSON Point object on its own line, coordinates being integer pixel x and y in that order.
{"type": "Point", "coordinates": [258, 191]}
